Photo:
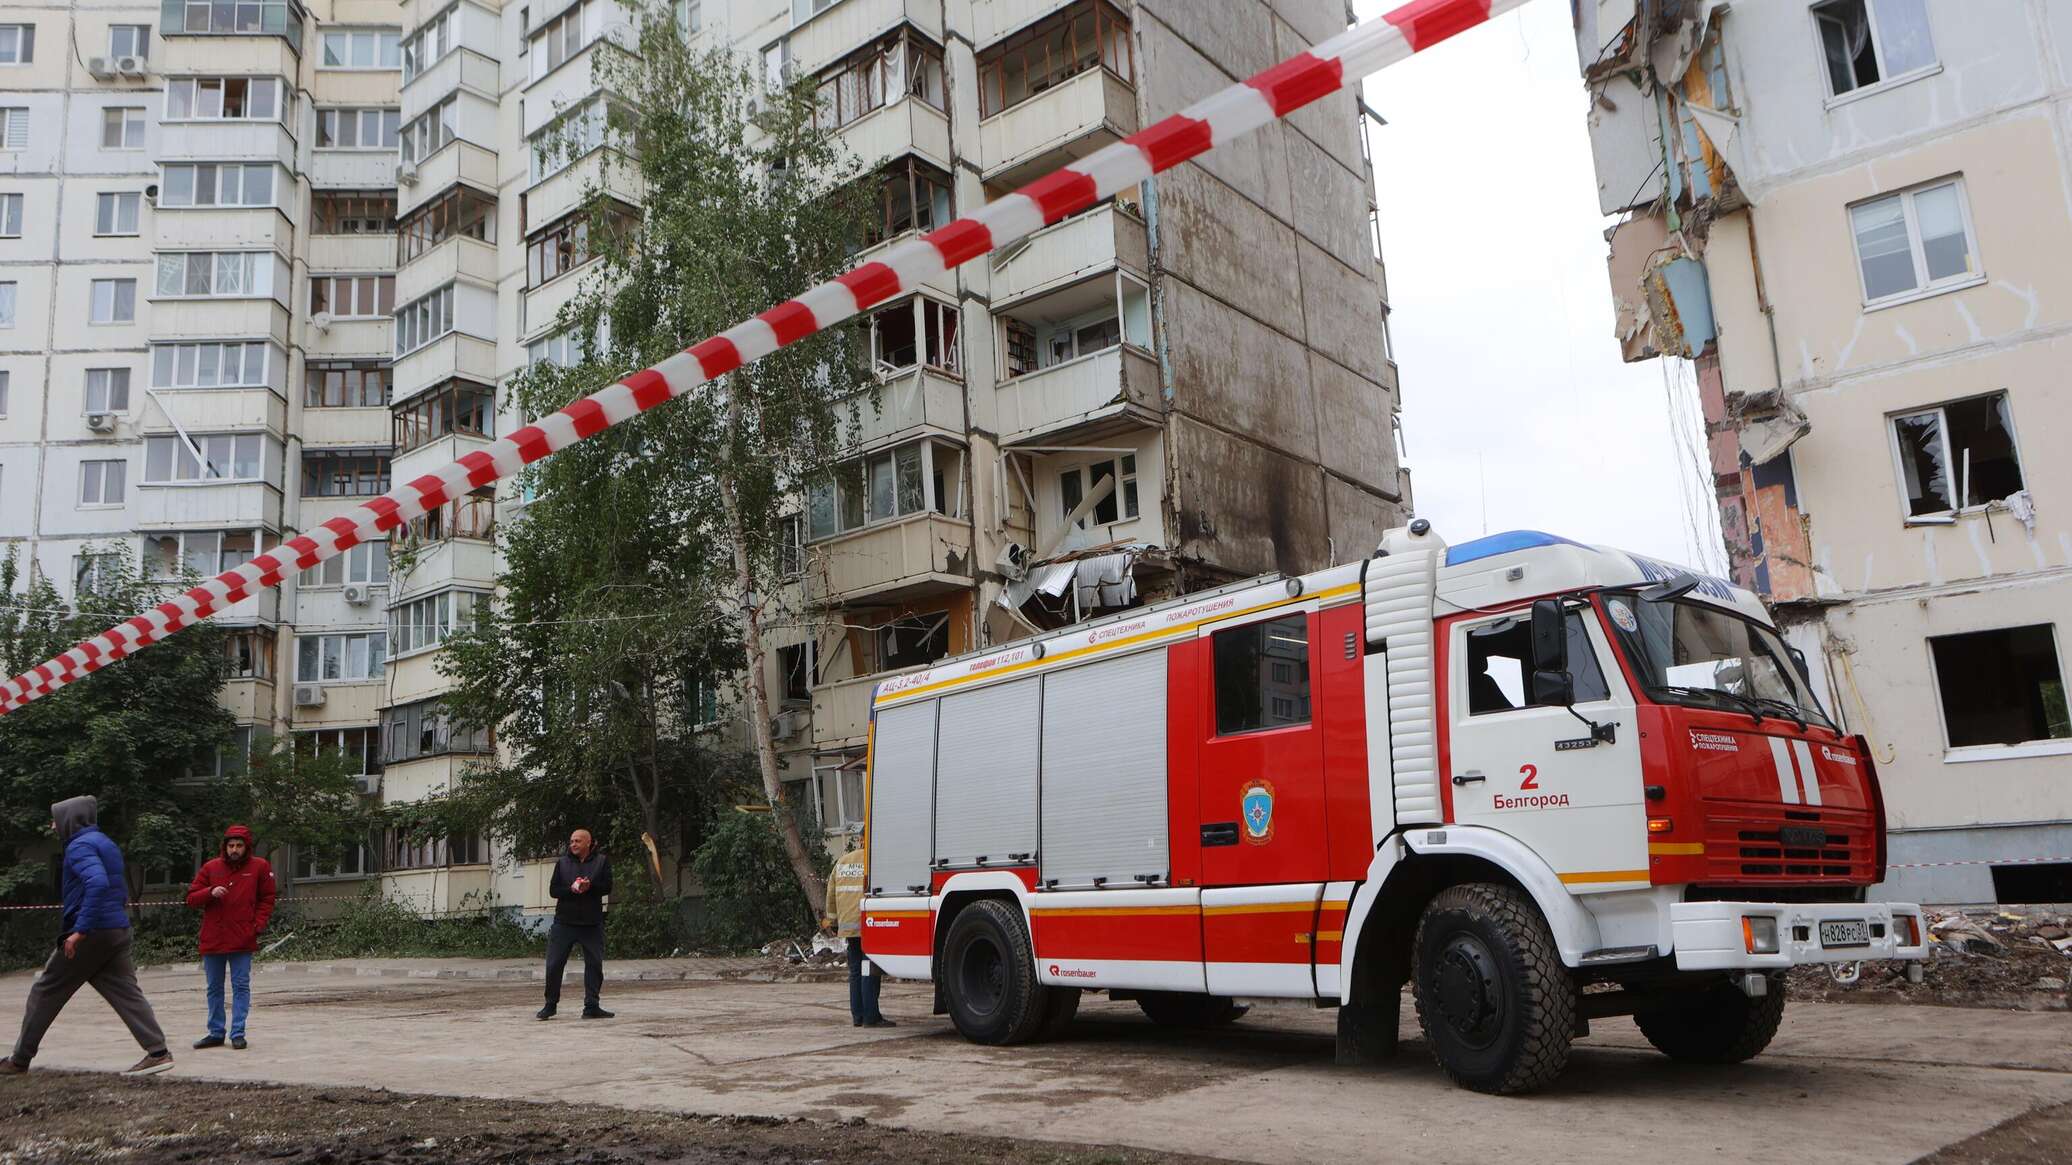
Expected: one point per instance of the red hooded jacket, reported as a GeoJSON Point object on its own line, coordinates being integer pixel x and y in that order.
{"type": "Point", "coordinates": [231, 924]}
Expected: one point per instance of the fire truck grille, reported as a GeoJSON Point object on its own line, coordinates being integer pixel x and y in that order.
{"type": "Point", "coordinates": [1749, 844]}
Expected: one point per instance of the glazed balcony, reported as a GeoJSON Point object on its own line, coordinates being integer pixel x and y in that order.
{"type": "Point", "coordinates": [1069, 120]}
{"type": "Point", "coordinates": [458, 258]}
{"type": "Point", "coordinates": [903, 558]}
{"type": "Point", "coordinates": [352, 169]}
{"type": "Point", "coordinates": [1067, 252]}
{"type": "Point", "coordinates": [828, 36]}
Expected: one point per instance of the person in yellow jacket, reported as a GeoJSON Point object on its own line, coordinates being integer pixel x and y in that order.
{"type": "Point", "coordinates": [844, 916]}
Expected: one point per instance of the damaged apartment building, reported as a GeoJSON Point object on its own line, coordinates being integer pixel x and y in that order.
{"type": "Point", "coordinates": [1852, 215]}
{"type": "Point", "coordinates": [1186, 384]}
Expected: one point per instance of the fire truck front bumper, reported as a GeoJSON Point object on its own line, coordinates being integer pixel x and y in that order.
{"type": "Point", "coordinates": [1760, 936]}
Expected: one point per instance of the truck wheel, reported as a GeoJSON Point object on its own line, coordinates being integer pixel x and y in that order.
{"type": "Point", "coordinates": [1494, 1002]}
{"type": "Point", "coordinates": [1186, 1009]}
{"type": "Point", "coordinates": [1717, 1026]}
{"type": "Point", "coordinates": [1058, 1017]}
{"type": "Point", "coordinates": [990, 975]}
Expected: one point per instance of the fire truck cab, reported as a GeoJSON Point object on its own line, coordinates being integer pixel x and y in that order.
{"type": "Point", "coordinates": [1499, 772]}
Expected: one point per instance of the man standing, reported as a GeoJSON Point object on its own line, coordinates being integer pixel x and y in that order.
{"type": "Point", "coordinates": [844, 914]}
{"type": "Point", "coordinates": [96, 947]}
{"type": "Point", "coordinates": [234, 892]}
{"type": "Point", "coordinates": [581, 880]}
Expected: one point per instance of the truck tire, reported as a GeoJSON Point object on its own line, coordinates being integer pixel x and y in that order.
{"type": "Point", "coordinates": [1058, 1017]}
{"type": "Point", "coordinates": [1186, 1009]}
{"type": "Point", "coordinates": [1718, 1026]}
{"type": "Point", "coordinates": [989, 975]}
{"type": "Point", "coordinates": [1495, 1004]}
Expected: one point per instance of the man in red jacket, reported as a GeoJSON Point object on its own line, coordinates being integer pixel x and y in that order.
{"type": "Point", "coordinates": [234, 892]}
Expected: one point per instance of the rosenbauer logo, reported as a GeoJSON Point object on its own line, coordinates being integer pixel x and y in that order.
{"type": "Point", "coordinates": [1070, 973]}
{"type": "Point", "coordinates": [1840, 758]}
{"type": "Point", "coordinates": [881, 922]}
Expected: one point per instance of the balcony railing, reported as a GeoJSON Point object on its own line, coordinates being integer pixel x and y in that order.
{"type": "Point", "coordinates": [923, 554]}
{"type": "Point", "coordinates": [842, 711]}
{"type": "Point", "coordinates": [1069, 251]}
{"type": "Point", "coordinates": [1114, 388]}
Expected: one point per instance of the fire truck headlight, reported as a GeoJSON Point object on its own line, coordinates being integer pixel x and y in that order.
{"type": "Point", "coordinates": [1760, 933]}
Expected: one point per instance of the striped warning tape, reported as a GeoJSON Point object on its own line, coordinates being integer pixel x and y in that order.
{"type": "Point", "coordinates": [1206, 125]}
{"type": "Point", "coordinates": [1976, 862]}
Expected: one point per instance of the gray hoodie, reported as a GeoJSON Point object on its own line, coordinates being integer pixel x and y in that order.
{"type": "Point", "coordinates": [73, 815]}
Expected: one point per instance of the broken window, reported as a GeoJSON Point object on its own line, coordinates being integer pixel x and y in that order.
{"type": "Point", "coordinates": [2001, 687]}
{"type": "Point", "coordinates": [1262, 675]}
{"type": "Point", "coordinates": [1120, 503]}
{"type": "Point", "coordinates": [1867, 41]}
{"type": "Point", "coordinates": [913, 641]}
{"type": "Point", "coordinates": [1500, 663]}
{"type": "Point", "coordinates": [906, 334]}
{"type": "Point", "coordinates": [879, 488]}
{"type": "Point", "coordinates": [1956, 456]}
{"type": "Point", "coordinates": [800, 671]}
{"type": "Point", "coordinates": [1912, 241]}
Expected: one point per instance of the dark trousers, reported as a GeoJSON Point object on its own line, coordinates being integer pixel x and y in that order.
{"type": "Point", "coordinates": [559, 940]}
{"type": "Point", "coordinates": [863, 986]}
{"type": "Point", "coordinates": [102, 961]}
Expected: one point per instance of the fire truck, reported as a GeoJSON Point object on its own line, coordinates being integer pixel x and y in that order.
{"type": "Point", "coordinates": [1501, 772]}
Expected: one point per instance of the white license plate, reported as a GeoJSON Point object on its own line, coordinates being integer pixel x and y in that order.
{"type": "Point", "coordinates": [1852, 933]}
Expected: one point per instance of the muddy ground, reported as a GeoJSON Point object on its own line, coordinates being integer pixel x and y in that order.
{"type": "Point", "coordinates": [52, 1117]}
{"type": "Point", "coordinates": [2006, 960]}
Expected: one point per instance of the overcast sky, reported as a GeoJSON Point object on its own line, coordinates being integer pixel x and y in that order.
{"type": "Point", "coordinates": [1515, 400]}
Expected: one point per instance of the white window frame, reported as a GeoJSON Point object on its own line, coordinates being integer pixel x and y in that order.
{"type": "Point", "coordinates": [203, 441]}
{"type": "Point", "coordinates": [113, 318]}
{"type": "Point", "coordinates": [438, 615]}
{"type": "Point", "coordinates": [193, 86]}
{"type": "Point", "coordinates": [13, 209]}
{"type": "Point", "coordinates": [14, 128]}
{"type": "Point", "coordinates": [25, 35]}
{"type": "Point", "coordinates": [354, 567]}
{"type": "Point", "coordinates": [244, 351]}
{"type": "Point", "coordinates": [142, 47]}
{"type": "Point", "coordinates": [97, 470]}
{"type": "Point", "coordinates": [274, 186]}
{"type": "Point", "coordinates": [1952, 465]}
{"type": "Point", "coordinates": [255, 272]}
{"type": "Point", "coordinates": [1923, 288]}
{"type": "Point", "coordinates": [123, 204]}
{"type": "Point", "coordinates": [374, 33]}
{"type": "Point", "coordinates": [1966, 753]}
{"type": "Point", "coordinates": [1885, 78]}
{"type": "Point", "coordinates": [424, 321]}
{"type": "Point", "coordinates": [339, 646]}
{"type": "Point", "coordinates": [109, 379]}
{"type": "Point", "coordinates": [129, 131]}
{"type": "Point", "coordinates": [442, 32]}
{"type": "Point", "coordinates": [1087, 481]}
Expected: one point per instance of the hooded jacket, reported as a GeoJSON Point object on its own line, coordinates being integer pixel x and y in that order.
{"type": "Point", "coordinates": [231, 925]}
{"type": "Point", "coordinates": [587, 908]}
{"type": "Point", "coordinates": [92, 884]}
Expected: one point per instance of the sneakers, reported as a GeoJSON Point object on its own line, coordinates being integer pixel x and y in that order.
{"type": "Point", "coordinates": [544, 1013]}
{"type": "Point", "coordinates": [237, 1042]}
{"type": "Point", "coordinates": [596, 1013]}
{"type": "Point", "coordinates": [9, 1068]}
{"type": "Point", "coordinates": [155, 1062]}
{"type": "Point", "coordinates": [208, 1042]}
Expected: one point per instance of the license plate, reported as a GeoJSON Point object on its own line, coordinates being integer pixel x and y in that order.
{"type": "Point", "coordinates": [1852, 933]}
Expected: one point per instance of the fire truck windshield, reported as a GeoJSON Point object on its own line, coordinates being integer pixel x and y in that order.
{"type": "Point", "coordinates": [1694, 653]}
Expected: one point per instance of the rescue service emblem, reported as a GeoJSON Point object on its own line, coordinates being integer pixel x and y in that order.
{"type": "Point", "coordinates": [1255, 804]}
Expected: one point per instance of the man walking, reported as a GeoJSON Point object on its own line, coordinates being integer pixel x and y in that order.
{"type": "Point", "coordinates": [96, 947]}
{"type": "Point", "coordinates": [581, 880]}
{"type": "Point", "coordinates": [844, 914]}
{"type": "Point", "coordinates": [234, 892]}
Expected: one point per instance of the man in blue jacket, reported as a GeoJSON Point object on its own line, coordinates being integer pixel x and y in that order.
{"type": "Point", "coordinates": [96, 948]}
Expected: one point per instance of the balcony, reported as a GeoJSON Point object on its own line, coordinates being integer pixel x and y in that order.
{"type": "Point", "coordinates": [250, 503]}
{"type": "Point", "coordinates": [224, 141]}
{"type": "Point", "coordinates": [431, 455]}
{"type": "Point", "coordinates": [1069, 251]}
{"type": "Point", "coordinates": [444, 890]}
{"type": "Point", "coordinates": [827, 37]}
{"type": "Point", "coordinates": [460, 161]}
{"type": "Point", "coordinates": [248, 700]}
{"type": "Point", "coordinates": [214, 54]}
{"type": "Point", "coordinates": [908, 125]}
{"type": "Point", "coordinates": [993, 19]}
{"type": "Point", "coordinates": [343, 428]}
{"type": "Point", "coordinates": [174, 319]}
{"type": "Point", "coordinates": [917, 402]}
{"type": "Point", "coordinates": [212, 228]}
{"type": "Point", "coordinates": [543, 304]}
{"type": "Point", "coordinates": [352, 253]}
{"type": "Point", "coordinates": [1067, 121]}
{"type": "Point", "coordinates": [571, 187]}
{"type": "Point", "coordinates": [345, 704]}
{"type": "Point", "coordinates": [470, 260]}
{"type": "Point", "coordinates": [352, 169]}
{"type": "Point", "coordinates": [360, 339]}
{"type": "Point", "coordinates": [451, 355]}
{"type": "Point", "coordinates": [214, 410]}
{"type": "Point", "coordinates": [842, 712]}
{"type": "Point", "coordinates": [416, 677]}
{"type": "Point", "coordinates": [463, 68]}
{"type": "Point", "coordinates": [1081, 400]}
{"type": "Point", "coordinates": [926, 553]}
{"type": "Point", "coordinates": [449, 562]}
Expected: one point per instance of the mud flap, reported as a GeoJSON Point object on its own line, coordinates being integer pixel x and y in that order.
{"type": "Point", "coordinates": [1367, 1028]}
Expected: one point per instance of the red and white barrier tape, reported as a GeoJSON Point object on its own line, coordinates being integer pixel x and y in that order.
{"type": "Point", "coordinates": [1274, 93]}
{"type": "Point", "coordinates": [1976, 862]}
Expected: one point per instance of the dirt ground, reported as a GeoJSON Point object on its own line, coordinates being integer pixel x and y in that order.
{"type": "Point", "coordinates": [2005, 960]}
{"type": "Point", "coordinates": [53, 1117]}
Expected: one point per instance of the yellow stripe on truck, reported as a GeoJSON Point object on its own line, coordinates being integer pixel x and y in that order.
{"type": "Point", "coordinates": [1597, 877]}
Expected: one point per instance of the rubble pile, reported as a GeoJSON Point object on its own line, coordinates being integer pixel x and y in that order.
{"type": "Point", "coordinates": [2013, 959]}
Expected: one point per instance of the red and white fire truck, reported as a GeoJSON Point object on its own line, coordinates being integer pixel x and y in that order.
{"type": "Point", "coordinates": [1500, 771]}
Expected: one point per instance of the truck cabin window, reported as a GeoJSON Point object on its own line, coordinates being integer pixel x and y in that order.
{"type": "Point", "coordinates": [1500, 665]}
{"type": "Point", "coordinates": [1692, 653]}
{"type": "Point", "coordinates": [1262, 675]}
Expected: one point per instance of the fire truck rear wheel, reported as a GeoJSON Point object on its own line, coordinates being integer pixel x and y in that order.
{"type": "Point", "coordinates": [1496, 1006]}
{"type": "Point", "coordinates": [1186, 1009]}
{"type": "Point", "coordinates": [1719, 1026]}
{"type": "Point", "coordinates": [989, 976]}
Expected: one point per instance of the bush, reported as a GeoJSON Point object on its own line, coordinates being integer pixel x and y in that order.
{"type": "Point", "coordinates": [751, 896]}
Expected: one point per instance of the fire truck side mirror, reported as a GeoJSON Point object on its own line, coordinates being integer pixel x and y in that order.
{"type": "Point", "coordinates": [1549, 637]}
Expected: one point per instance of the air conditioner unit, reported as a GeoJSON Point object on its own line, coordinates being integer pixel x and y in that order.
{"type": "Point", "coordinates": [368, 784]}
{"type": "Point", "coordinates": [356, 594]}
{"type": "Point", "coordinates": [321, 321]}
{"type": "Point", "coordinates": [101, 422]}
{"type": "Point", "coordinates": [406, 173]}
{"type": "Point", "coordinates": [788, 725]}
{"type": "Point", "coordinates": [151, 194]}
{"type": "Point", "coordinates": [309, 695]}
{"type": "Point", "coordinates": [102, 68]}
{"type": "Point", "coordinates": [1013, 562]}
{"type": "Point", "coordinates": [132, 66]}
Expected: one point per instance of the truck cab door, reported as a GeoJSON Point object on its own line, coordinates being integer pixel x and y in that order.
{"type": "Point", "coordinates": [1533, 771]}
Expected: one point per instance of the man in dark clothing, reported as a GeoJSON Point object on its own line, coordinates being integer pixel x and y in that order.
{"type": "Point", "coordinates": [234, 892]}
{"type": "Point", "coordinates": [581, 880]}
{"type": "Point", "coordinates": [96, 947]}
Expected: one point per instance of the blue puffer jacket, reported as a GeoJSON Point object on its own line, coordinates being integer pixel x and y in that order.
{"type": "Point", "coordinates": [93, 882]}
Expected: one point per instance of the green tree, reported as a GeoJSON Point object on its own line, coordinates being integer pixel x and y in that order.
{"type": "Point", "coordinates": [638, 581]}
{"type": "Point", "coordinates": [131, 736]}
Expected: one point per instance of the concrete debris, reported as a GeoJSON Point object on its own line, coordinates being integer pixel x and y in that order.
{"type": "Point", "coordinates": [1981, 958]}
